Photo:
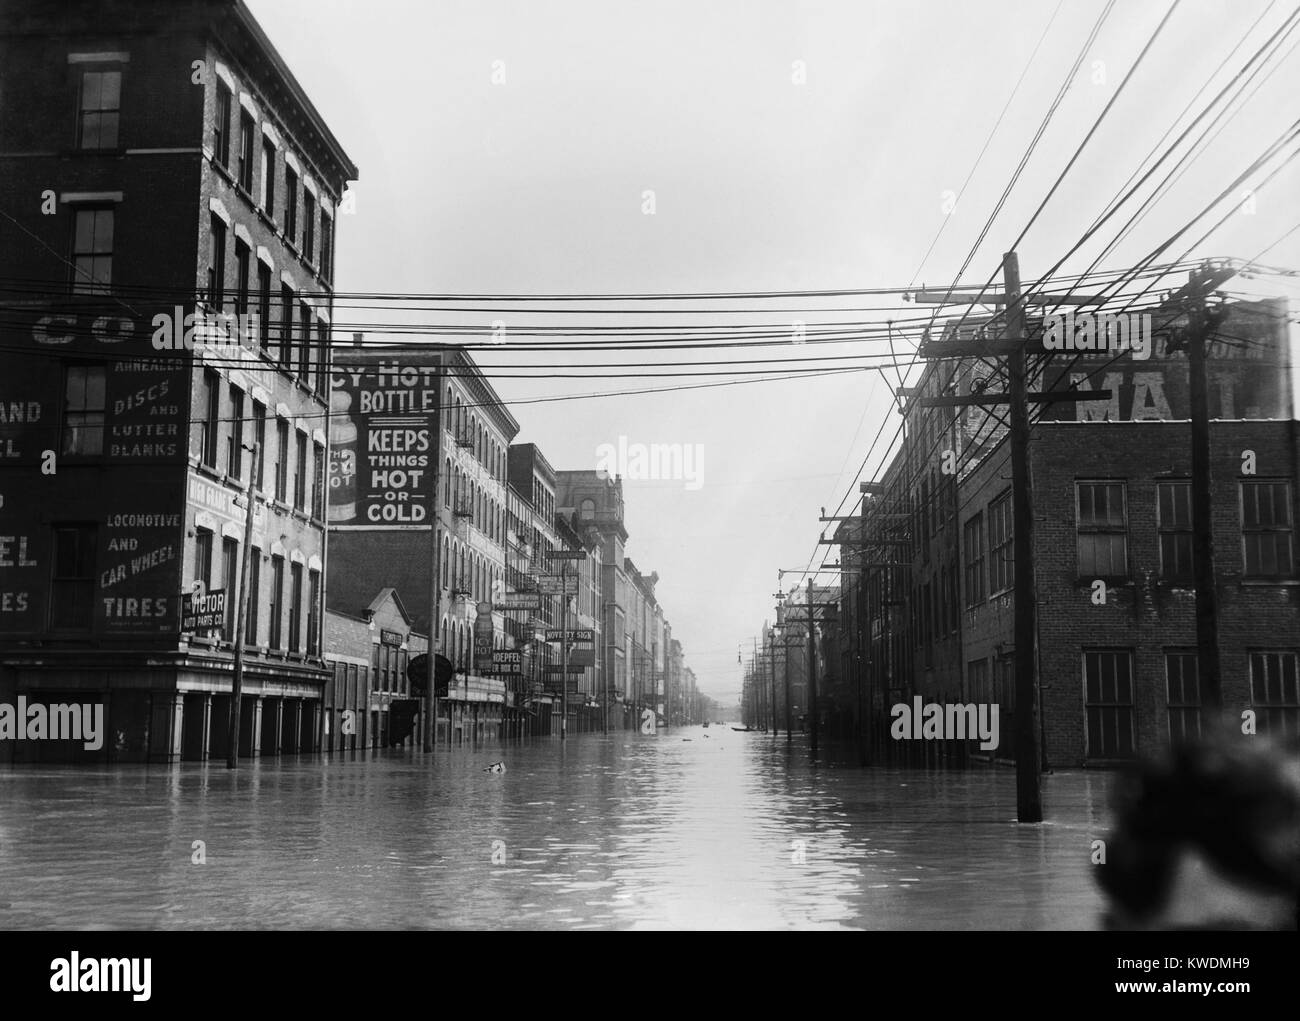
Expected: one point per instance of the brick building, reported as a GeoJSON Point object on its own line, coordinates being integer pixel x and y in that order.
{"type": "Point", "coordinates": [391, 426]}
{"type": "Point", "coordinates": [934, 601]}
{"type": "Point", "coordinates": [173, 195]}
{"type": "Point", "coordinates": [368, 702]}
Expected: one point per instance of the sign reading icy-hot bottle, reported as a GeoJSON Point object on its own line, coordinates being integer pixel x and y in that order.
{"type": "Point", "coordinates": [383, 435]}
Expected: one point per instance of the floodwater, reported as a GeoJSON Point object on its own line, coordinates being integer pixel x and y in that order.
{"type": "Point", "coordinates": [694, 828]}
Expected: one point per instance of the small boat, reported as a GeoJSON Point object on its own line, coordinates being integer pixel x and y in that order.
{"type": "Point", "coordinates": [745, 730]}
{"type": "Point", "coordinates": [706, 723]}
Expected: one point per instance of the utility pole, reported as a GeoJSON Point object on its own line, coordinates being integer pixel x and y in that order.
{"type": "Point", "coordinates": [1201, 323]}
{"type": "Point", "coordinates": [771, 673]}
{"type": "Point", "coordinates": [430, 711]}
{"type": "Point", "coordinates": [1029, 807]}
{"type": "Point", "coordinates": [564, 648]}
{"type": "Point", "coordinates": [241, 613]}
{"type": "Point", "coordinates": [1012, 344]}
{"type": "Point", "coordinates": [812, 673]}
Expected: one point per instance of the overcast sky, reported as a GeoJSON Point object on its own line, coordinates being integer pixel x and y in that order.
{"type": "Point", "coordinates": [507, 148]}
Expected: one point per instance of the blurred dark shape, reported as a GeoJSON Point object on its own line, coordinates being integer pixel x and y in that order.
{"type": "Point", "coordinates": [1207, 836]}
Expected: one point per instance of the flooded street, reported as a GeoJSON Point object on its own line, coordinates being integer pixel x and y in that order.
{"type": "Point", "coordinates": [692, 828]}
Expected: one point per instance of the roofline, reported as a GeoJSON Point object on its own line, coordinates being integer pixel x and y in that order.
{"type": "Point", "coordinates": [246, 19]}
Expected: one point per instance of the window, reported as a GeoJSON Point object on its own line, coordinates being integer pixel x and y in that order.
{"type": "Point", "coordinates": [300, 474]}
{"type": "Point", "coordinates": [277, 600]}
{"type": "Point", "coordinates": [308, 227]}
{"type": "Point", "coordinates": [304, 343]}
{"type": "Point", "coordinates": [282, 460]}
{"type": "Point", "coordinates": [221, 128]}
{"type": "Point", "coordinates": [209, 406]}
{"type": "Point", "coordinates": [326, 247]}
{"type": "Point", "coordinates": [1275, 692]}
{"type": "Point", "coordinates": [268, 177]}
{"type": "Point", "coordinates": [246, 151]}
{"type": "Point", "coordinates": [318, 482]}
{"type": "Point", "coordinates": [286, 324]}
{"type": "Point", "coordinates": [1108, 696]}
{"type": "Point", "coordinates": [259, 437]}
{"type": "Point", "coordinates": [977, 674]}
{"type": "Point", "coordinates": [1002, 565]}
{"type": "Point", "coordinates": [1183, 696]}
{"type": "Point", "coordinates": [72, 581]}
{"type": "Point", "coordinates": [1266, 529]}
{"type": "Point", "coordinates": [83, 410]}
{"type": "Point", "coordinates": [254, 577]}
{"type": "Point", "coordinates": [235, 438]}
{"type": "Point", "coordinates": [1102, 530]}
{"type": "Point", "coordinates": [295, 607]}
{"type": "Point", "coordinates": [242, 260]}
{"type": "Point", "coordinates": [264, 305]}
{"type": "Point", "coordinates": [587, 510]}
{"type": "Point", "coordinates": [973, 542]}
{"type": "Point", "coordinates": [313, 613]}
{"type": "Point", "coordinates": [92, 251]}
{"type": "Point", "coordinates": [321, 359]}
{"type": "Point", "coordinates": [217, 264]}
{"type": "Point", "coordinates": [203, 556]}
{"type": "Point", "coordinates": [230, 582]}
{"type": "Point", "coordinates": [290, 205]}
{"type": "Point", "coordinates": [1174, 523]}
{"type": "Point", "coordinates": [101, 101]}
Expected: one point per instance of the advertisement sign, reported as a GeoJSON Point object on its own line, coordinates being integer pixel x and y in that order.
{"type": "Point", "coordinates": [203, 611]}
{"type": "Point", "coordinates": [383, 438]}
{"type": "Point", "coordinates": [506, 662]}
{"type": "Point", "coordinates": [566, 554]}
{"type": "Point", "coordinates": [127, 540]}
{"type": "Point", "coordinates": [557, 585]}
{"type": "Point", "coordinates": [519, 601]}
{"type": "Point", "coordinates": [484, 635]}
{"type": "Point", "coordinates": [577, 636]}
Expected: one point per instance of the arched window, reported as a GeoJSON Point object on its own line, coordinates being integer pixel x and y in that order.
{"type": "Point", "coordinates": [587, 512]}
{"type": "Point", "coordinates": [446, 488]}
{"type": "Point", "coordinates": [446, 560]}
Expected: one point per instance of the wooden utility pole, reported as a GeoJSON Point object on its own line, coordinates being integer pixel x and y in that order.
{"type": "Point", "coordinates": [1201, 323]}
{"type": "Point", "coordinates": [241, 613]}
{"type": "Point", "coordinates": [812, 673]}
{"type": "Point", "coordinates": [564, 649]}
{"type": "Point", "coordinates": [1012, 344]}
{"type": "Point", "coordinates": [1029, 807]}
{"type": "Point", "coordinates": [771, 673]}
{"type": "Point", "coordinates": [430, 712]}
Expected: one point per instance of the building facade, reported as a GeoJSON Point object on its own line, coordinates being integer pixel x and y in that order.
{"type": "Point", "coordinates": [178, 233]}
{"type": "Point", "coordinates": [934, 597]}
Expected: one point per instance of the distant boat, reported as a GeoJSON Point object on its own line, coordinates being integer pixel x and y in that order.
{"type": "Point", "coordinates": [706, 723]}
{"type": "Point", "coordinates": [745, 730]}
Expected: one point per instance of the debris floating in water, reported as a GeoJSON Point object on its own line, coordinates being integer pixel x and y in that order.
{"type": "Point", "coordinates": [496, 767]}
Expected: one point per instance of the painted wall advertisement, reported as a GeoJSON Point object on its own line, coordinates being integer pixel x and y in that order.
{"type": "Point", "coordinates": [384, 407]}
{"type": "Point", "coordinates": [108, 418]}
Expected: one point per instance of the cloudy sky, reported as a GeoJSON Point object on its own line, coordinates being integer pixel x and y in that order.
{"type": "Point", "coordinates": [593, 148]}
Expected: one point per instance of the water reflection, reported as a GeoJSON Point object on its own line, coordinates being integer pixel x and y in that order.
{"type": "Point", "coordinates": [725, 830]}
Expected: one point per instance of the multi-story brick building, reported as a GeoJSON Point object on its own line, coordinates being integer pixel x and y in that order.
{"type": "Point", "coordinates": [368, 700]}
{"type": "Point", "coordinates": [597, 500]}
{"type": "Point", "coordinates": [1117, 660]}
{"type": "Point", "coordinates": [380, 525]}
{"type": "Point", "coordinates": [169, 195]}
